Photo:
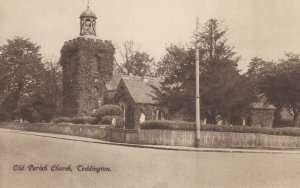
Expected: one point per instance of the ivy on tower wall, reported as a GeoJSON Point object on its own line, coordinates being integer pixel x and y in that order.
{"type": "Point", "coordinates": [87, 66]}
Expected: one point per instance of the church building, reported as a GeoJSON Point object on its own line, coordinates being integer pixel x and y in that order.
{"type": "Point", "coordinates": [87, 64]}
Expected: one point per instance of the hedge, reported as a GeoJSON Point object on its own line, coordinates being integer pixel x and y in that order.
{"type": "Point", "coordinates": [107, 120]}
{"type": "Point", "coordinates": [108, 110]}
{"type": "Point", "coordinates": [76, 120]}
{"type": "Point", "coordinates": [173, 125]}
{"type": "Point", "coordinates": [190, 126]}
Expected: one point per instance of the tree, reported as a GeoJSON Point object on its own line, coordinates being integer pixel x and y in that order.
{"type": "Point", "coordinates": [278, 82]}
{"type": "Point", "coordinates": [257, 69]}
{"type": "Point", "coordinates": [213, 45]}
{"type": "Point", "coordinates": [46, 100]}
{"type": "Point", "coordinates": [51, 85]}
{"type": "Point", "coordinates": [37, 109]}
{"type": "Point", "coordinates": [26, 81]}
{"type": "Point", "coordinates": [135, 62]}
{"type": "Point", "coordinates": [223, 90]}
{"type": "Point", "coordinates": [177, 88]}
{"type": "Point", "coordinates": [175, 57]}
{"type": "Point", "coordinates": [21, 65]}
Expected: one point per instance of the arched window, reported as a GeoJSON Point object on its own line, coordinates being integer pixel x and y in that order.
{"type": "Point", "coordinates": [142, 117]}
{"type": "Point", "coordinates": [159, 114]}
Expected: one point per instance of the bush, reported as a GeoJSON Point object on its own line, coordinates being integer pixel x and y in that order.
{"type": "Point", "coordinates": [190, 126]}
{"type": "Point", "coordinates": [107, 120]}
{"type": "Point", "coordinates": [108, 110]}
{"type": "Point", "coordinates": [76, 120]}
{"type": "Point", "coordinates": [62, 120]}
{"type": "Point", "coordinates": [285, 123]}
{"type": "Point", "coordinates": [37, 109]}
{"type": "Point", "coordinates": [84, 120]}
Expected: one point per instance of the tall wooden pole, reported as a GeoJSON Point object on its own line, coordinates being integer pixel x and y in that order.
{"type": "Point", "coordinates": [197, 99]}
{"type": "Point", "coordinates": [197, 139]}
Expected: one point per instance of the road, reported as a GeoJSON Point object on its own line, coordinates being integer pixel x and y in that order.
{"type": "Point", "coordinates": [132, 167]}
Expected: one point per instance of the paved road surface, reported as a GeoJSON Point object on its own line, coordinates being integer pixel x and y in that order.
{"type": "Point", "coordinates": [137, 167]}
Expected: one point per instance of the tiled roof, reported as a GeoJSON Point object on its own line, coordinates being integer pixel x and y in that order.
{"type": "Point", "coordinates": [140, 88]}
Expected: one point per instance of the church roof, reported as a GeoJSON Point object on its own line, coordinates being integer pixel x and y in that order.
{"type": "Point", "coordinates": [139, 88]}
{"type": "Point", "coordinates": [88, 13]}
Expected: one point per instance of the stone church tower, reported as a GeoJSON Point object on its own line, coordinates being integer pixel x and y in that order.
{"type": "Point", "coordinates": [87, 64]}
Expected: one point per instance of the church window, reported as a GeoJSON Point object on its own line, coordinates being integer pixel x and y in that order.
{"type": "Point", "coordinates": [159, 115]}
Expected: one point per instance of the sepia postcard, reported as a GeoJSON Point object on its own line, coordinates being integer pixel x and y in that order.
{"type": "Point", "coordinates": [149, 94]}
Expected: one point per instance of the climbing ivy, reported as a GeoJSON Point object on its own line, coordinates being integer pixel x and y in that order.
{"type": "Point", "coordinates": [83, 84]}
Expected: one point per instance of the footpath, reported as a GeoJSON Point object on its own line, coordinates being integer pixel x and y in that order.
{"type": "Point", "coordinates": [162, 147]}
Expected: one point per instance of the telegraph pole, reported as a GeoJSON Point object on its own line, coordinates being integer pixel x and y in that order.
{"type": "Point", "coordinates": [197, 89]}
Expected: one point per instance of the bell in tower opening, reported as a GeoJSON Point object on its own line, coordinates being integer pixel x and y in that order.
{"type": "Point", "coordinates": [88, 23]}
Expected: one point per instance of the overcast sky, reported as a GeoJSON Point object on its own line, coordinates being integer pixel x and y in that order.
{"type": "Point", "coordinates": [263, 28]}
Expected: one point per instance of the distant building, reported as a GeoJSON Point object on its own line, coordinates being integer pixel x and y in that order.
{"type": "Point", "coordinates": [87, 64]}
{"type": "Point", "coordinates": [261, 114]}
{"type": "Point", "coordinates": [135, 96]}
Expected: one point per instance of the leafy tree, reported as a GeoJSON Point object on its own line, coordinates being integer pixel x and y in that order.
{"type": "Point", "coordinates": [135, 62]}
{"type": "Point", "coordinates": [278, 82]}
{"type": "Point", "coordinates": [257, 69]}
{"type": "Point", "coordinates": [9, 102]}
{"type": "Point", "coordinates": [20, 63]}
{"type": "Point", "coordinates": [175, 57]}
{"type": "Point", "coordinates": [51, 85]}
{"type": "Point", "coordinates": [37, 109]}
{"type": "Point", "coordinates": [177, 90]}
{"type": "Point", "coordinates": [223, 90]}
{"type": "Point", "coordinates": [45, 102]}
{"type": "Point", "coordinates": [26, 81]}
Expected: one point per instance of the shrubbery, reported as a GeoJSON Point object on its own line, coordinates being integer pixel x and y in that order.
{"type": "Point", "coordinates": [285, 123]}
{"type": "Point", "coordinates": [107, 120]}
{"type": "Point", "coordinates": [76, 120]}
{"type": "Point", "coordinates": [173, 125]}
{"type": "Point", "coordinates": [108, 110]}
{"type": "Point", "coordinates": [190, 126]}
{"type": "Point", "coordinates": [103, 115]}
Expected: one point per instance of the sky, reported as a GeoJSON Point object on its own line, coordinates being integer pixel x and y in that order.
{"type": "Point", "coordinates": [257, 28]}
